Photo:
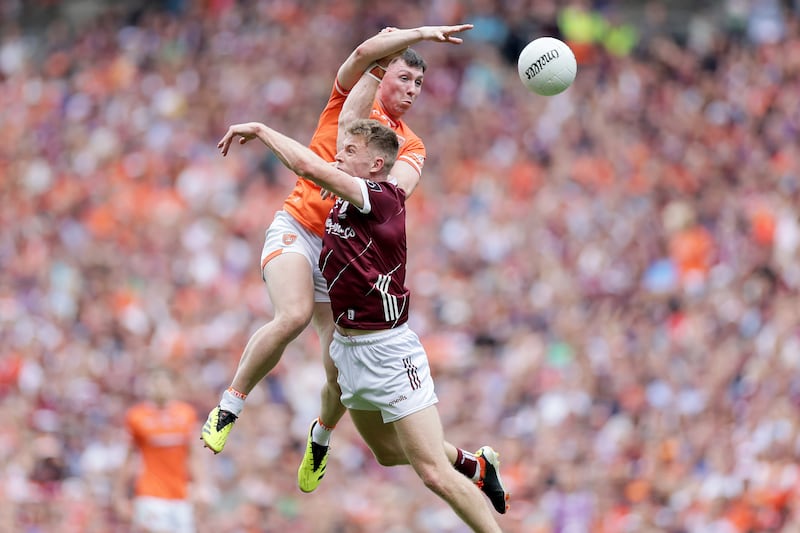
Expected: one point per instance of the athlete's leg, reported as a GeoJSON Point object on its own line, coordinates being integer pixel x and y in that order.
{"type": "Point", "coordinates": [421, 439]}
{"type": "Point", "coordinates": [291, 290]}
{"type": "Point", "coordinates": [381, 438]}
{"type": "Point", "coordinates": [289, 285]}
{"type": "Point", "coordinates": [383, 442]}
{"type": "Point", "coordinates": [315, 457]}
{"type": "Point", "coordinates": [331, 410]}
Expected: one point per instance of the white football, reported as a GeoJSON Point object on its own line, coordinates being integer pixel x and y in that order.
{"type": "Point", "coordinates": [547, 66]}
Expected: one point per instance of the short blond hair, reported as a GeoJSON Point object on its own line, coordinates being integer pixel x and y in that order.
{"type": "Point", "coordinates": [377, 137]}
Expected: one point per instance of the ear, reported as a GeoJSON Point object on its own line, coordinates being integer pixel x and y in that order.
{"type": "Point", "coordinates": [377, 165]}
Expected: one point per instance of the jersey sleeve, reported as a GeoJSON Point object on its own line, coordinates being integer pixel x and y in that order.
{"type": "Point", "coordinates": [413, 153]}
{"type": "Point", "coordinates": [323, 143]}
{"type": "Point", "coordinates": [385, 199]}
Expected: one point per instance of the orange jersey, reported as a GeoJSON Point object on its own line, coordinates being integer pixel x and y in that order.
{"type": "Point", "coordinates": [163, 437]}
{"type": "Point", "coordinates": [304, 202]}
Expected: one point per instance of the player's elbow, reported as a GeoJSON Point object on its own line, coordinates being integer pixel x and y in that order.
{"type": "Point", "coordinates": [306, 168]}
{"type": "Point", "coordinates": [361, 54]}
{"type": "Point", "coordinates": [345, 118]}
{"type": "Point", "coordinates": [408, 183]}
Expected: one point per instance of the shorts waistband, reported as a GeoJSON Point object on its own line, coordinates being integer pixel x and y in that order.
{"type": "Point", "coordinates": [369, 338]}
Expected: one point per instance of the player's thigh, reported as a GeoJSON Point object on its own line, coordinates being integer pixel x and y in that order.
{"type": "Point", "coordinates": [290, 285]}
{"type": "Point", "coordinates": [323, 323]}
{"type": "Point", "coordinates": [379, 436]}
{"type": "Point", "coordinates": [421, 437]}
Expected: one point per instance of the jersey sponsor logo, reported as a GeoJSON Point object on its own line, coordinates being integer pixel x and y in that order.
{"type": "Point", "coordinates": [289, 238]}
{"type": "Point", "coordinates": [351, 314]}
{"type": "Point", "coordinates": [387, 121]}
{"type": "Point", "coordinates": [374, 186]}
{"type": "Point", "coordinates": [383, 117]}
{"type": "Point", "coordinates": [419, 158]}
{"type": "Point", "coordinates": [335, 228]}
{"type": "Point", "coordinates": [343, 205]}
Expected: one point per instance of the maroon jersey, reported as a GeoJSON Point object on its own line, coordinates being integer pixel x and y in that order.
{"type": "Point", "coordinates": [363, 260]}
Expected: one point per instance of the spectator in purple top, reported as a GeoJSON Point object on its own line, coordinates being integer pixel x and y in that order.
{"type": "Point", "coordinates": [383, 369]}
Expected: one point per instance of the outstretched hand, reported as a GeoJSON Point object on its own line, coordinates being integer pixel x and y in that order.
{"type": "Point", "coordinates": [246, 132]}
{"type": "Point", "coordinates": [444, 34]}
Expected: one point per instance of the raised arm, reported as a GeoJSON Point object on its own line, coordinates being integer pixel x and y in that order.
{"type": "Point", "coordinates": [358, 105]}
{"type": "Point", "coordinates": [297, 158]}
{"type": "Point", "coordinates": [391, 41]}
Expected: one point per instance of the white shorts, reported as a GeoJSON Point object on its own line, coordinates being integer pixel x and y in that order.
{"type": "Point", "coordinates": [385, 371]}
{"type": "Point", "coordinates": [158, 514]}
{"type": "Point", "coordinates": [287, 235]}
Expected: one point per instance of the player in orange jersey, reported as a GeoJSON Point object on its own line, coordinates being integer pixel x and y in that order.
{"type": "Point", "coordinates": [294, 239]}
{"type": "Point", "coordinates": [159, 460]}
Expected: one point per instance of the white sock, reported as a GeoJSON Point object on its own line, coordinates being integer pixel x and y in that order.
{"type": "Point", "coordinates": [321, 434]}
{"type": "Point", "coordinates": [232, 401]}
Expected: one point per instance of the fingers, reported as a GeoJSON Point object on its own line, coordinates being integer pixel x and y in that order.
{"type": "Point", "coordinates": [242, 131]}
{"type": "Point", "coordinates": [225, 143]}
{"type": "Point", "coordinates": [456, 29]}
{"type": "Point", "coordinates": [443, 34]}
{"type": "Point", "coordinates": [325, 193]}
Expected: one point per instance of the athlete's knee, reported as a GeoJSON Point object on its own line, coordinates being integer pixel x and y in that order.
{"type": "Point", "coordinates": [332, 378]}
{"type": "Point", "coordinates": [432, 477]}
{"type": "Point", "coordinates": [292, 321]}
{"type": "Point", "coordinates": [331, 389]}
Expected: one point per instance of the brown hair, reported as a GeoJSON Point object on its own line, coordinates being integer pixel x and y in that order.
{"type": "Point", "coordinates": [412, 59]}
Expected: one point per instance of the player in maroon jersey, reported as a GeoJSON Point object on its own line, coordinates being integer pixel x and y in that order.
{"type": "Point", "coordinates": [383, 369]}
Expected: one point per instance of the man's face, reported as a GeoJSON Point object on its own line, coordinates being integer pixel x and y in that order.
{"type": "Point", "coordinates": [354, 157]}
{"type": "Point", "coordinates": [400, 87]}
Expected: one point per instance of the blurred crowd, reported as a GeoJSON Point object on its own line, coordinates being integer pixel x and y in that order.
{"type": "Point", "coordinates": [606, 280]}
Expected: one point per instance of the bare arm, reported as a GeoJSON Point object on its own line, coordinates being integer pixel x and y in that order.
{"type": "Point", "coordinates": [379, 48]}
{"type": "Point", "coordinates": [297, 158]}
{"type": "Point", "coordinates": [406, 176]}
{"type": "Point", "coordinates": [357, 105]}
{"type": "Point", "coordinates": [389, 42]}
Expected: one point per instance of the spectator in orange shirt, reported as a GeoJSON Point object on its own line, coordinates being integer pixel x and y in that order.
{"type": "Point", "coordinates": [159, 461]}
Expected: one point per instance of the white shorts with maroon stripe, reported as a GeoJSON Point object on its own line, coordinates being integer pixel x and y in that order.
{"type": "Point", "coordinates": [287, 235]}
{"type": "Point", "coordinates": [386, 371]}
